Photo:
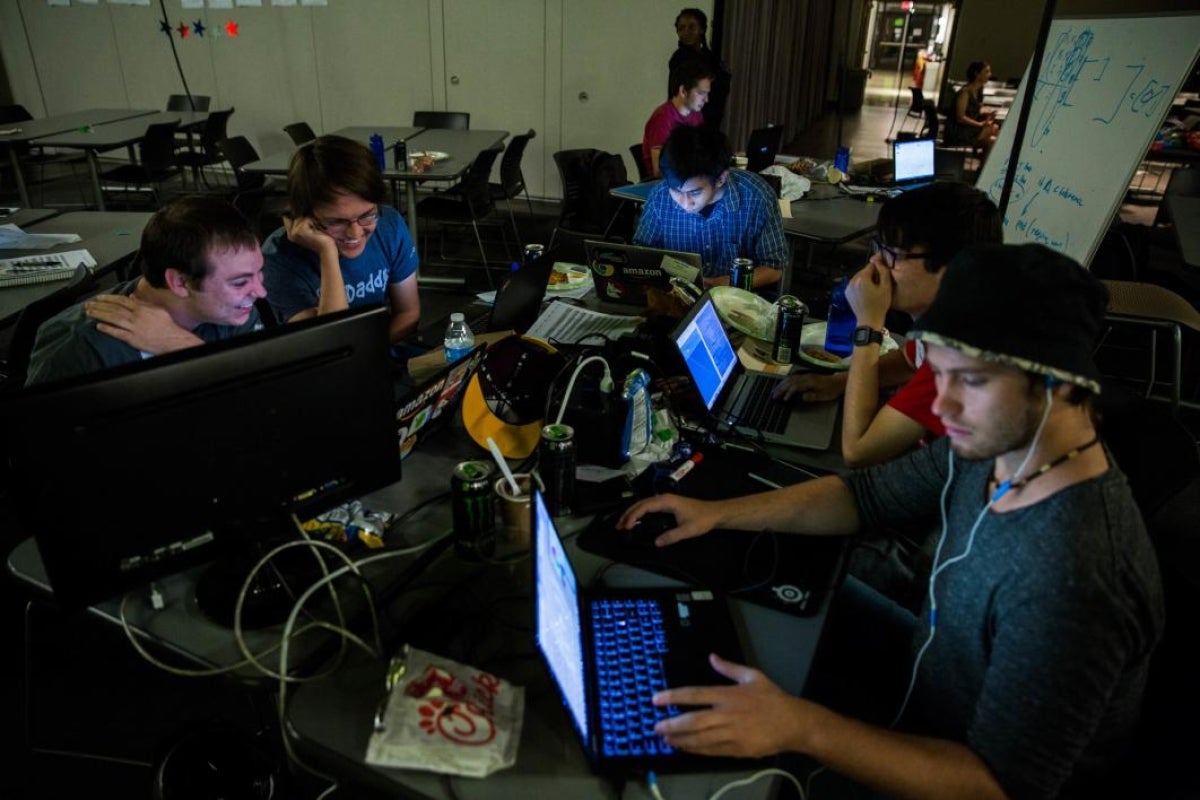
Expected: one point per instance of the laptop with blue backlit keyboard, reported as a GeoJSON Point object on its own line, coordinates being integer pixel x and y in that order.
{"type": "Point", "coordinates": [609, 651]}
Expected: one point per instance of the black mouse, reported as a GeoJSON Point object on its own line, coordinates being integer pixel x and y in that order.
{"type": "Point", "coordinates": [649, 527]}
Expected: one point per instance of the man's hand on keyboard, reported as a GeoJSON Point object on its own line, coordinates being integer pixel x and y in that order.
{"type": "Point", "coordinates": [811, 387]}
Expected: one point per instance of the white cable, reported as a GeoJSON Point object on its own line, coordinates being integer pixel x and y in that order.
{"type": "Point", "coordinates": [756, 777]}
{"type": "Point", "coordinates": [606, 383]}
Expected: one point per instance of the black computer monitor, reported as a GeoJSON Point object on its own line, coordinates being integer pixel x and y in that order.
{"type": "Point", "coordinates": [134, 473]}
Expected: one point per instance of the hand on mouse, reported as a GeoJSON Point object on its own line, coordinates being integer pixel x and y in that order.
{"type": "Point", "coordinates": [692, 517]}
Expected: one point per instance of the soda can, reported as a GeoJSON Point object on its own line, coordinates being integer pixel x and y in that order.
{"type": "Point", "coordinates": [789, 319]}
{"type": "Point", "coordinates": [556, 467]}
{"type": "Point", "coordinates": [400, 156]}
{"type": "Point", "coordinates": [474, 510]}
{"type": "Point", "coordinates": [742, 274]}
{"type": "Point", "coordinates": [533, 252]}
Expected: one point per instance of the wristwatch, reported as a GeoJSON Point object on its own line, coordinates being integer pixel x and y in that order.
{"type": "Point", "coordinates": [864, 335]}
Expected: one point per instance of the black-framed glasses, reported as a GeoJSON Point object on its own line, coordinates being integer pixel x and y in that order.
{"type": "Point", "coordinates": [340, 225]}
{"type": "Point", "coordinates": [891, 254]}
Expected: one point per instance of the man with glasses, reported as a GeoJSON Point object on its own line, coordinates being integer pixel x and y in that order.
{"type": "Point", "coordinates": [340, 247]}
{"type": "Point", "coordinates": [919, 232]}
{"type": "Point", "coordinates": [202, 273]}
{"type": "Point", "coordinates": [702, 206]}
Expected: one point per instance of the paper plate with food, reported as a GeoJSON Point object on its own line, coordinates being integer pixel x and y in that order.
{"type": "Point", "coordinates": [812, 348]}
{"type": "Point", "coordinates": [432, 155]}
{"type": "Point", "coordinates": [566, 276]}
{"type": "Point", "coordinates": [745, 311]}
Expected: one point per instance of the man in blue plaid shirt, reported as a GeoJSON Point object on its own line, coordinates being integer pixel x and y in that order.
{"type": "Point", "coordinates": [702, 206]}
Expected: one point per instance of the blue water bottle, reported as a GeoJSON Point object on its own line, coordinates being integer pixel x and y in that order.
{"type": "Point", "coordinates": [840, 322]}
{"type": "Point", "coordinates": [378, 152]}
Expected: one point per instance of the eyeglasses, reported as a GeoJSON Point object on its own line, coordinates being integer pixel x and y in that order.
{"type": "Point", "coordinates": [891, 254]}
{"type": "Point", "coordinates": [340, 225]}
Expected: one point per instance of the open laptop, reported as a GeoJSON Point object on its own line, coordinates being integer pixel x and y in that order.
{"type": "Point", "coordinates": [739, 399]}
{"type": "Point", "coordinates": [622, 272]}
{"type": "Point", "coordinates": [912, 163]}
{"type": "Point", "coordinates": [519, 298]}
{"type": "Point", "coordinates": [425, 409]}
{"type": "Point", "coordinates": [762, 147]}
{"type": "Point", "coordinates": [607, 680]}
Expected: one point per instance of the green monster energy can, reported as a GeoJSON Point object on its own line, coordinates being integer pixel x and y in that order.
{"type": "Point", "coordinates": [474, 506]}
{"type": "Point", "coordinates": [742, 274]}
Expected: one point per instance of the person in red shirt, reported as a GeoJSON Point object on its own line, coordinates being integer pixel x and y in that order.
{"type": "Point", "coordinates": [692, 82]}
{"type": "Point", "coordinates": [918, 233]}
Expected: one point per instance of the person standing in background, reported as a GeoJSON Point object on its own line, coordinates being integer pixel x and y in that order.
{"type": "Point", "coordinates": [691, 26]}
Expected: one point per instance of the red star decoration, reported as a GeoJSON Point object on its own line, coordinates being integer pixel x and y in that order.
{"type": "Point", "coordinates": [231, 28]}
{"type": "Point", "coordinates": [184, 30]}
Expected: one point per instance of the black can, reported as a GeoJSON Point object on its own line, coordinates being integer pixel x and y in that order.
{"type": "Point", "coordinates": [742, 274]}
{"type": "Point", "coordinates": [534, 252]}
{"type": "Point", "coordinates": [789, 320]}
{"type": "Point", "coordinates": [474, 506]}
{"type": "Point", "coordinates": [400, 156]}
{"type": "Point", "coordinates": [556, 467]}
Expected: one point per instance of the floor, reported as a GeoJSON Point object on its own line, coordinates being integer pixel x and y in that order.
{"type": "Point", "coordinates": [82, 704]}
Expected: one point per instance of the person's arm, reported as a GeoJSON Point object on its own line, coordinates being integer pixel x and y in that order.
{"type": "Point", "coordinates": [755, 718]}
{"type": "Point", "coordinates": [824, 506]}
{"type": "Point", "coordinates": [960, 108]}
{"type": "Point", "coordinates": [145, 327]}
{"type": "Point", "coordinates": [304, 232]}
{"type": "Point", "coordinates": [405, 303]}
{"type": "Point", "coordinates": [655, 153]}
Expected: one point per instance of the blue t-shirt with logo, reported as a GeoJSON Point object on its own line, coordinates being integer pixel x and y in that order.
{"type": "Point", "coordinates": [292, 274]}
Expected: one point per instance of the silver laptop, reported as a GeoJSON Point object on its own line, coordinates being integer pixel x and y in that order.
{"type": "Point", "coordinates": [621, 273]}
{"type": "Point", "coordinates": [739, 399]}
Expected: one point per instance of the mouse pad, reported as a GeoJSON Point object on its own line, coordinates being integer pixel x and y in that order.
{"type": "Point", "coordinates": [784, 571]}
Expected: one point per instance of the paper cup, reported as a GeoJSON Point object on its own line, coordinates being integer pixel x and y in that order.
{"type": "Point", "coordinates": [514, 510]}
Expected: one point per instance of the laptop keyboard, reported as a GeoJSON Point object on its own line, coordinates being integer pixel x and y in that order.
{"type": "Point", "coordinates": [629, 641]}
{"type": "Point", "coordinates": [754, 407]}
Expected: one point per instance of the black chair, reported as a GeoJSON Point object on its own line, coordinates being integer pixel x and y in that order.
{"type": "Point", "coordinates": [450, 120]}
{"type": "Point", "coordinates": [259, 199]}
{"type": "Point", "coordinates": [180, 102]}
{"type": "Point", "coordinates": [14, 370]}
{"type": "Point", "coordinates": [156, 162]}
{"type": "Point", "coordinates": [635, 150]}
{"type": "Point", "coordinates": [215, 129]}
{"type": "Point", "coordinates": [587, 175]}
{"type": "Point", "coordinates": [512, 179]}
{"type": "Point", "coordinates": [300, 133]}
{"type": "Point", "coordinates": [468, 203]}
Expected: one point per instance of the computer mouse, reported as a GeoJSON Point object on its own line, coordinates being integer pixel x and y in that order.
{"type": "Point", "coordinates": [649, 527]}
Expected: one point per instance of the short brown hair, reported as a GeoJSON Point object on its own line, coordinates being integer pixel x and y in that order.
{"type": "Point", "coordinates": [182, 235]}
{"type": "Point", "coordinates": [328, 166]}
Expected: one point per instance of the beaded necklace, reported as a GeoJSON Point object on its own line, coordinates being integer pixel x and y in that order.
{"type": "Point", "coordinates": [1008, 485]}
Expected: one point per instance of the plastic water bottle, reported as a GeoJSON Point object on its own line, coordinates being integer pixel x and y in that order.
{"type": "Point", "coordinates": [839, 326]}
{"type": "Point", "coordinates": [459, 338]}
{"type": "Point", "coordinates": [378, 151]}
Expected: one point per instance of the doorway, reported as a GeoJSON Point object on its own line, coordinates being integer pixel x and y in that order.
{"type": "Point", "coordinates": [905, 44]}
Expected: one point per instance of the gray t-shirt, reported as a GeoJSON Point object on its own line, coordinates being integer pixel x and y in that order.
{"type": "Point", "coordinates": [1044, 629]}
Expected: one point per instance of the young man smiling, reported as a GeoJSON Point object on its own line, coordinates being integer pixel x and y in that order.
{"type": "Point", "coordinates": [1025, 669]}
{"type": "Point", "coordinates": [340, 247]}
{"type": "Point", "coordinates": [691, 83]}
{"type": "Point", "coordinates": [201, 275]}
{"type": "Point", "coordinates": [703, 206]}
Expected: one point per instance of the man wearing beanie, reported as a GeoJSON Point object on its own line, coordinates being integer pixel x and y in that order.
{"type": "Point", "coordinates": [1025, 669]}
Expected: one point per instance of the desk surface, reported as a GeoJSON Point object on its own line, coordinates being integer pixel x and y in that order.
{"type": "Point", "coordinates": [391, 133]}
{"type": "Point", "coordinates": [121, 132]}
{"type": "Point", "coordinates": [37, 128]}
{"type": "Point", "coordinates": [110, 236]}
{"type": "Point", "coordinates": [23, 217]}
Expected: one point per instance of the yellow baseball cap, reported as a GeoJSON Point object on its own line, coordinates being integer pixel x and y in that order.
{"type": "Point", "coordinates": [506, 398]}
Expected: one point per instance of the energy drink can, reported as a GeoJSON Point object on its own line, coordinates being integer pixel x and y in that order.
{"type": "Point", "coordinates": [556, 467]}
{"type": "Point", "coordinates": [789, 320]}
{"type": "Point", "coordinates": [474, 508]}
{"type": "Point", "coordinates": [742, 274]}
{"type": "Point", "coordinates": [400, 156]}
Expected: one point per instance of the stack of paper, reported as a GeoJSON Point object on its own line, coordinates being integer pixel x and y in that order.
{"type": "Point", "coordinates": [26, 270]}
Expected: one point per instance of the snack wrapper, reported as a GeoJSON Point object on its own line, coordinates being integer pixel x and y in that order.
{"type": "Point", "coordinates": [446, 717]}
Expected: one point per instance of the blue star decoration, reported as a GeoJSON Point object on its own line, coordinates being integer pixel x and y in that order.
{"type": "Point", "coordinates": [198, 28]}
{"type": "Point", "coordinates": [164, 26]}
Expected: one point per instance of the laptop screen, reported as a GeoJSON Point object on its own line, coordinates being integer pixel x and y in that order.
{"type": "Point", "coordinates": [556, 603]}
{"type": "Point", "coordinates": [706, 350]}
{"type": "Point", "coordinates": [913, 160]}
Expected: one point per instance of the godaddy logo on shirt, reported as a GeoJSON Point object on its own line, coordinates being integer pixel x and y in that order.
{"type": "Point", "coordinates": [370, 286]}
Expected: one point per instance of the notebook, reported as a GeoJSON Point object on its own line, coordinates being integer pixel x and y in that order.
{"type": "Point", "coordinates": [912, 163]}
{"type": "Point", "coordinates": [622, 272]}
{"type": "Point", "coordinates": [606, 682]}
{"type": "Point", "coordinates": [762, 147]}
{"type": "Point", "coordinates": [426, 408]}
{"type": "Point", "coordinates": [44, 268]}
{"type": "Point", "coordinates": [739, 399]}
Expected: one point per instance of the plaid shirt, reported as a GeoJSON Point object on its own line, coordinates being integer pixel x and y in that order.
{"type": "Point", "coordinates": [744, 223]}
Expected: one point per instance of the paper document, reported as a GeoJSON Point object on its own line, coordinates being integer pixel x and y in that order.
{"type": "Point", "coordinates": [12, 237]}
{"type": "Point", "coordinates": [568, 324]}
{"type": "Point", "coordinates": [43, 268]}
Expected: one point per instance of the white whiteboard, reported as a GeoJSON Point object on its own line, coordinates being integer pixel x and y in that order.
{"type": "Point", "coordinates": [1104, 88]}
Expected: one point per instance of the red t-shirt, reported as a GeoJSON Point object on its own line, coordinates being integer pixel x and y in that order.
{"type": "Point", "coordinates": [664, 120]}
{"type": "Point", "coordinates": [915, 398]}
